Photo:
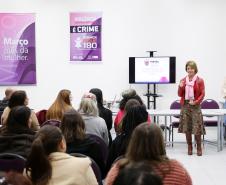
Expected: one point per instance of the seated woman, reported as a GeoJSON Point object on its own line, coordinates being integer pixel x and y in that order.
{"type": "Point", "coordinates": [126, 96]}
{"type": "Point", "coordinates": [147, 144]}
{"type": "Point", "coordinates": [49, 164]}
{"type": "Point", "coordinates": [93, 123]}
{"type": "Point", "coordinates": [16, 136]}
{"type": "Point", "coordinates": [138, 173]}
{"type": "Point", "coordinates": [73, 129]}
{"type": "Point", "coordinates": [135, 116]}
{"type": "Point", "coordinates": [19, 98]}
{"type": "Point", "coordinates": [130, 103]}
{"type": "Point", "coordinates": [104, 113]}
{"type": "Point", "coordinates": [61, 105]}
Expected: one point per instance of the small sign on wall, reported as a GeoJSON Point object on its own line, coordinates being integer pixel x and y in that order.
{"type": "Point", "coordinates": [17, 49]}
{"type": "Point", "coordinates": [85, 36]}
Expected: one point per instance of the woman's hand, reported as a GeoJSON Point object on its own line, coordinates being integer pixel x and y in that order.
{"type": "Point", "coordinates": [181, 83]}
{"type": "Point", "coordinates": [191, 102]}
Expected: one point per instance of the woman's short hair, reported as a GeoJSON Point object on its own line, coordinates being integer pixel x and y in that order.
{"type": "Point", "coordinates": [146, 143]}
{"type": "Point", "coordinates": [191, 64]}
{"type": "Point", "coordinates": [140, 173]}
{"type": "Point", "coordinates": [73, 126]}
{"type": "Point", "coordinates": [88, 105]}
{"type": "Point", "coordinates": [18, 117]}
{"type": "Point", "coordinates": [127, 95]}
{"type": "Point", "coordinates": [17, 98]}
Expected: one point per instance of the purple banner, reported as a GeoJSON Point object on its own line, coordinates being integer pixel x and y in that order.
{"type": "Point", "coordinates": [85, 31]}
{"type": "Point", "coordinates": [17, 49]}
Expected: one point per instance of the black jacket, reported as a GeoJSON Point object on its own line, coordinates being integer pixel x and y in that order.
{"type": "Point", "coordinates": [90, 148]}
{"type": "Point", "coordinates": [117, 149]}
{"type": "Point", "coordinates": [17, 143]}
{"type": "Point", "coordinates": [3, 104]}
{"type": "Point", "coordinates": [106, 114]}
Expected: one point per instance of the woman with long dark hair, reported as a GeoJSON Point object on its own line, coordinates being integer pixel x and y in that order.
{"type": "Point", "coordinates": [135, 116]}
{"type": "Point", "coordinates": [104, 113]}
{"type": "Point", "coordinates": [19, 98]}
{"type": "Point", "coordinates": [126, 96]}
{"type": "Point", "coordinates": [49, 164]}
{"type": "Point", "coordinates": [147, 144]}
{"type": "Point", "coordinates": [16, 136]}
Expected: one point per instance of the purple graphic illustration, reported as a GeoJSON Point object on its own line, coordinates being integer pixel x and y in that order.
{"type": "Point", "coordinates": [164, 79]}
{"type": "Point", "coordinates": [85, 31]}
{"type": "Point", "coordinates": [17, 49]}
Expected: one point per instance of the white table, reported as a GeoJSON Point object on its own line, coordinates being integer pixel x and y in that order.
{"type": "Point", "coordinates": [219, 113]}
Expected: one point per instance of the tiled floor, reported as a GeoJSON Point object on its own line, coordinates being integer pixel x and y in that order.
{"type": "Point", "coordinates": [209, 169]}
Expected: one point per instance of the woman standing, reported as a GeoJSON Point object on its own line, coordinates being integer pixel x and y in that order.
{"type": "Point", "coordinates": [192, 91]}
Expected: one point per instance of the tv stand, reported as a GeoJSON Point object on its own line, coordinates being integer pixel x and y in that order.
{"type": "Point", "coordinates": [154, 95]}
{"type": "Point", "coordinates": [149, 94]}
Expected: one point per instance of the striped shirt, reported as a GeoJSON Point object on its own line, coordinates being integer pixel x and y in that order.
{"type": "Point", "coordinates": [172, 173]}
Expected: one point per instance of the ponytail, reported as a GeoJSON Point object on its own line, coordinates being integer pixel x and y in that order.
{"type": "Point", "coordinates": [38, 167]}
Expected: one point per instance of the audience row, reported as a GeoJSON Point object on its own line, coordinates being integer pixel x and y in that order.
{"type": "Point", "coordinates": [47, 149]}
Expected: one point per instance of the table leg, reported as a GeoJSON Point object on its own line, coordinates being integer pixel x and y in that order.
{"type": "Point", "coordinates": [218, 134]}
{"type": "Point", "coordinates": [222, 131]}
{"type": "Point", "coordinates": [165, 129]}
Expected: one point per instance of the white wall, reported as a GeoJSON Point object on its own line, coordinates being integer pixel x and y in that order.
{"type": "Point", "coordinates": [187, 29]}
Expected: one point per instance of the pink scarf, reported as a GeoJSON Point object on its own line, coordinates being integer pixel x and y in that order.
{"type": "Point", "coordinates": [189, 88]}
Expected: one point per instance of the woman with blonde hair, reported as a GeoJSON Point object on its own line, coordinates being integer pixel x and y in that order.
{"type": "Point", "coordinates": [192, 91]}
{"type": "Point", "coordinates": [147, 144]}
{"type": "Point", "coordinates": [93, 123]}
{"type": "Point", "coordinates": [61, 105]}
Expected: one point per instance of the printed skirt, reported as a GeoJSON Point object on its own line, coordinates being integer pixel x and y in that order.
{"type": "Point", "coordinates": [191, 120]}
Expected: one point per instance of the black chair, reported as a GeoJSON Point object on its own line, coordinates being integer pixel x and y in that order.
{"type": "Point", "coordinates": [94, 166]}
{"type": "Point", "coordinates": [103, 146]}
{"type": "Point", "coordinates": [174, 124]}
{"type": "Point", "coordinates": [12, 162]}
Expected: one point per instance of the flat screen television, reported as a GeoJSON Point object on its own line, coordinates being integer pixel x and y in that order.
{"type": "Point", "coordinates": [152, 70]}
